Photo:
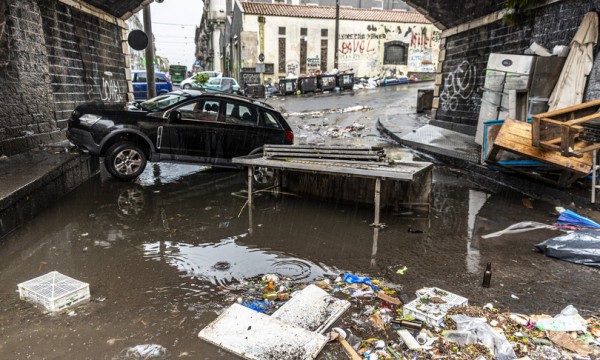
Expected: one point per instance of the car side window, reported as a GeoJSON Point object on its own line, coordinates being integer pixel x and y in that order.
{"type": "Point", "coordinates": [269, 120]}
{"type": "Point", "coordinates": [160, 79]}
{"type": "Point", "coordinates": [240, 114]}
{"type": "Point", "coordinates": [141, 77]}
{"type": "Point", "coordinates": [202, 110]}
{"type": "Point", "coordinates": [214, 82]}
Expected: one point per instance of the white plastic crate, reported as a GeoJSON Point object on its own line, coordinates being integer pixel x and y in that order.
{"type": "Point", "coordinates": [433, 313]}
{"type": "Point", "coordinates": [54, 291]}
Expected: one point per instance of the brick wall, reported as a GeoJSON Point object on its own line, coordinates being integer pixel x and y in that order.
{"type": "Point", "coordinates": [58, 57]}
{"type": "Point", "coordinates": [466, 55]}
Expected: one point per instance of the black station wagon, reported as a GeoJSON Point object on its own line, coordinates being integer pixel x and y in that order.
{"type": "Point", "coordinates": [181, 126]}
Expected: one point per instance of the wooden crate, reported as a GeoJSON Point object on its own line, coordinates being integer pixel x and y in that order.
{"type": "Point", "coordinates": [559, 130]}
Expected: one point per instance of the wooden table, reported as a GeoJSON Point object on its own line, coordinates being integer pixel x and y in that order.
{"type": "Point", "coordinates": [515, 137]}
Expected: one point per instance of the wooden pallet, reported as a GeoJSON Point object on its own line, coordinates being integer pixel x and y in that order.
{"type": "Point", "coordinates": [515, 137]}
{"type": "Point", "coordinates": [330, 153]}
{"type": "Point", "coordinates": [559, 130]}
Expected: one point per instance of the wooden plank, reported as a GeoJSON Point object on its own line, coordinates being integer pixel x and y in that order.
{"type": "Point", "coordinates": [518, 144]}
{"type": "Point", "coordinates": [569, 109]}
{"type": "Point", "coordinates": [356, 148]}
{"type": "Point", "coordinates": [583, 119]}
{"type": "Point", "coordinates": [323, 156]}
{"type": "Point", "coordinates": [323, 151]}
{"type": "Point", "coordinates": [399, 171]}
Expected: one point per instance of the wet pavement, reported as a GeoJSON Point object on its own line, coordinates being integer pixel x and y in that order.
{"type": "Point", "coordinates": [159, 253]}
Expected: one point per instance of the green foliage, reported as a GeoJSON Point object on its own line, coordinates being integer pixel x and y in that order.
{"type": "Point", "coordinates": [521, 10]}
{"type": "Point", "coordinates": [200, 79]}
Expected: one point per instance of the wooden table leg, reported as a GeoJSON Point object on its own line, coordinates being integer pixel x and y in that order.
{"type": "Point", "coordinates": [250, 180]}
{"type": "Point", "coordinates": [377, 201]}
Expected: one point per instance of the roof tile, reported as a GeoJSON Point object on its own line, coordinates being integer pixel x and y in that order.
{"type": "Point", "coordinates": [328, 12]}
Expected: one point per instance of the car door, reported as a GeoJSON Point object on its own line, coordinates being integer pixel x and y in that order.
{"type": "Point", "coordinates": [213, 84]}
{"type": "Point", "coordinates": [139, 86]}
{"type": "Point", "coordinates": [196, 137]}
{"type": "Point", "coordinates": [241, 133]}
{"type": "Point", "coordinates": [162, 84]}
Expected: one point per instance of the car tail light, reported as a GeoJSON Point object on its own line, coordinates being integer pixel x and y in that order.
{"type": "Point", "coordinates": [289, 136]}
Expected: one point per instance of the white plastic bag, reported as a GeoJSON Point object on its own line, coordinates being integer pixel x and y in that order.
{"type": "Point", "coordinates": [483, 333]}
{"type": "Point", "coordinates": [519, 228]}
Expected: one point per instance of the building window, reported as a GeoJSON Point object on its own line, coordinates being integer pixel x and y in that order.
{"type": "Point", "coordinates": [324, 32]}
{"type": "Point", "coordinates": [281, 66]}
{"type": "Point", "coordinates": [282, 30]}
{"type": "Point", "coordinates": [303, 31]}
{"type": "Point", "coordinates": [395, 53]}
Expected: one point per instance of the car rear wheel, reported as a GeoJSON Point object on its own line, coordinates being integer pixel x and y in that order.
{"type": "Point", "coordinates": [263, 177]}
{"type": "Point", "coordinates": [187, 86]}
{"type": "Point", "coordinates": [125, 160]}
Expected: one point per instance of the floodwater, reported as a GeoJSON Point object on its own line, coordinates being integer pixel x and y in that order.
{"type": "Point", "coordinates": [158, 253]}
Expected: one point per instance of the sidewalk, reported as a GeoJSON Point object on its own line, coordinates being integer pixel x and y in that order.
{"type": "Point", "coordinates": [460, 150]}
{"type": "Point", "coordinates": [32, 181]}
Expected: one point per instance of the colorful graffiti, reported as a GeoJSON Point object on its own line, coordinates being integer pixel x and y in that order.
{"type": "Point", "coordinates": [459, 84]}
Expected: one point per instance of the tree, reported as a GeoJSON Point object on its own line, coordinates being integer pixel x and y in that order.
{"type": "Point", "coordinates": [200, 79]}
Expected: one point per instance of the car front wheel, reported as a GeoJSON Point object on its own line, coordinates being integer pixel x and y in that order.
{"type": "Point", "coordinates": [125, 160]}
{"type": "Point", "coordinates": [187, 86]}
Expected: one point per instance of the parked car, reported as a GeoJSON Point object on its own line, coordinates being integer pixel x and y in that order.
{"type": "Point", "coordinates": [181, 126]}
{"type": "Point", "coordinates": [190, 83]}
{"type": "Point", "coordinates": [222, 84]}
{"type": "Point", "coordinates": [140, 86]}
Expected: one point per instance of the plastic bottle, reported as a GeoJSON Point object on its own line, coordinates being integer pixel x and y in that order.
{"type": "Point", "coordinates": [487, 276]}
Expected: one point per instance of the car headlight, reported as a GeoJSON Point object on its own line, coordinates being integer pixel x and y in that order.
{"type": "Point", "coordinates": [89, 119]}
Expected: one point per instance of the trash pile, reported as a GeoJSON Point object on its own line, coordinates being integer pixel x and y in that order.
{"type": "Point", "coordinates": [353, 130]}
{"type": "Point", "coordinates": [382, 324]}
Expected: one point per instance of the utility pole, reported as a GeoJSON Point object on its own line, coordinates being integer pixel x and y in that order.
{"type": "Point", "coordinates": [337, 33]}
{"type": "Point", "coordinates": [150, 80]}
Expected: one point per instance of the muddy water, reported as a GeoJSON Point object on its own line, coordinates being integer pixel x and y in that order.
{"type": "Point", "coordinates": [156, 254]}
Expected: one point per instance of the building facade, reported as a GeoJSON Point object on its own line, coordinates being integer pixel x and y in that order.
{"type": "Point", "coordinates": [299, 40]}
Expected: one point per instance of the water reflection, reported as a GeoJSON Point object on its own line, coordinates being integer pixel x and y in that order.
{"type": "Point", "coordinates": [227, 261]}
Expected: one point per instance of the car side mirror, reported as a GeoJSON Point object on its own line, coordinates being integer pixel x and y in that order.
{"type": "Point", "coordinates": [174, 116]}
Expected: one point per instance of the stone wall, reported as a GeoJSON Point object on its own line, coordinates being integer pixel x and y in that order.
{"type": "Point", "coordinates": [466, 55]}
{"type": "Point", "coordinates": [56, 57]}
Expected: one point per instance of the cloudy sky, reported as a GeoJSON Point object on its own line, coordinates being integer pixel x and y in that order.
{"type": "Point", "coordinates": [174, 25]}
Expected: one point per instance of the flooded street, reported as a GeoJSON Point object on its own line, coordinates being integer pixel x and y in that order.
{"type": "Point", "coordinates": [160, 253]}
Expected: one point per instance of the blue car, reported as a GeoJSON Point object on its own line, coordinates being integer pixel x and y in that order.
{"type": "Point", "coordinates": [163, 85]}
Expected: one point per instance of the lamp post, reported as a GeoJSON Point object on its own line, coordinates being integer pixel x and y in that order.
{"type": "Point", "coordinates": [337, 33]}
{"type": "Point", "coordinates": [150, 80]}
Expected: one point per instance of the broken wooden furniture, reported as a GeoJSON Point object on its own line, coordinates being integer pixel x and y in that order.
{"type": "Point", "coordinates": [344, 173]}
{"type": "Point", "coordinates": [515, 137]}
{"type": "Point", "coordinates": [565, 129]}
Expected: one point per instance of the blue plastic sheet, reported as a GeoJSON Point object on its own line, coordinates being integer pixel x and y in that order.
{"type": "Point", "coordinates": [580, 247]}
{"type": "Point", "coordinates": [355, 279]}
{"type": "Point", "coordinates": [570, 217]}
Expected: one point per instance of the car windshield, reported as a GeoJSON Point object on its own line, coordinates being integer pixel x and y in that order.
{"type": "Point", "coordinates": [162, 102]}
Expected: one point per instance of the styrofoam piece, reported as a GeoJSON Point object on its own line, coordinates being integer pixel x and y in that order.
{"type": "Point", "coordinates": [409, 340]}
{"type": "Point", "coordinates": [253, 335]}
{"type": "Point", "coordinates": [312, 309]}
{"type": "Point", "coordinates": [54, 291]}
{"type": "Point", "coordinates": [430, 312]}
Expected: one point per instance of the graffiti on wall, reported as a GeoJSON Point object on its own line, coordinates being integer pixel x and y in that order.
{"type": "Point", "coordinates": [292, 67]}
{"type": "Point", "coordinates": [459, 84]}
{"type": "Point", "coordinates": [109, 91]}
{"type": "Point", "coordinates": [3, 33]}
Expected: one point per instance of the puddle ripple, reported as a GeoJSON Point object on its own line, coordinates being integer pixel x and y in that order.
{"type": "Point", "coordinates": [226, 261]}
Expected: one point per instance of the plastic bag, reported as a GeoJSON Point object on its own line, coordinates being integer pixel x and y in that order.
{"type": "Point", "coordinates": [563, 323]}
{"type": "Point", "coordinates": [580, 247]}
{"type": "Point", "coordinates": [146, 351]}
{"type": "Point", "coordinates": [519, 228]}
{"type": "Point", "coordinates": [355, 279]}
{"type": "Point", "coordinates": [483, 333]}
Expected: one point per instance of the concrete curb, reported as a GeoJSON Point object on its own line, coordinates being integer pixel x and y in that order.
{"type": "Point", "coordinates": [39, 180]}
